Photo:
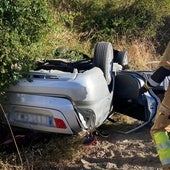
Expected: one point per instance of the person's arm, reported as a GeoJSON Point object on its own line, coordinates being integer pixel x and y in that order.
{"type": "Point", "coordinates": [156, 78]}
{"type": "Point", "coordinates": [159, 75]}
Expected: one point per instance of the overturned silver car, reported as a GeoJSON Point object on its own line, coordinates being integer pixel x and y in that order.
{"type": "Point", "coordinates": [72, 97]}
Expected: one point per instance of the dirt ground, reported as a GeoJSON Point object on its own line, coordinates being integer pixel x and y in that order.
{"type": "Point", "coordinates": [119, 151]}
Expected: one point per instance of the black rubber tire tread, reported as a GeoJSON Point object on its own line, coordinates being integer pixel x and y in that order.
{"type": "Point", "coordinates": [121, 58]}
{"type": "Point", "coordinates": [103, 58]}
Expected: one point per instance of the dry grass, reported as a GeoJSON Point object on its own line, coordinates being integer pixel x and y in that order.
{"type": "Point", "coordinates": [7, 166]}
{"type": "Point", "coordinates": [50, 150]}
{"type": "Point", "coordinates": [141, 53]}
{"type": "Point", "coordinates": [63, 37]}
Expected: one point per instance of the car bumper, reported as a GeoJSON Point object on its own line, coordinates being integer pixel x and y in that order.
{"type": "Point", "coordinates": [44, 113]}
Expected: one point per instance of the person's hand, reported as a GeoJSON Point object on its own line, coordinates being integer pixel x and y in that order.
{"type": "Point", "coordinates": [145, 88]}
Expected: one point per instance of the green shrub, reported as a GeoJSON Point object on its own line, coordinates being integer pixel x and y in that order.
{"type": "Point", "coordinates": [107, 20]}
{"type": "Point", "coordinates": [22, 25]}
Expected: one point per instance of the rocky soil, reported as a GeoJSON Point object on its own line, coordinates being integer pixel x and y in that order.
{"type": "Point", "coordinates": [118, 151]}
{"type": "Point", "coordinates": [134, 151]}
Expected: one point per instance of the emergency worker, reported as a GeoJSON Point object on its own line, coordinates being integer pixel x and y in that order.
{"type": "Point", "coordinates": [161, 127]}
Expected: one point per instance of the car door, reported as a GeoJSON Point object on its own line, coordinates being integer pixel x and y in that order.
{"type": "Point", "coordinates": [127, 99]}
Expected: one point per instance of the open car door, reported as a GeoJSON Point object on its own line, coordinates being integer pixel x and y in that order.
{"type": "Point", "coordinates": [127, 99]}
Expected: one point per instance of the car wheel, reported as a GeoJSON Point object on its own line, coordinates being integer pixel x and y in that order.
{"type": "Point", "coordinates": [103, 58]}
{"type": "Point", "coordinates": [121, 58]}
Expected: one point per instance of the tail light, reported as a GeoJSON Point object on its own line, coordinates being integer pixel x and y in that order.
{"type": "Point", "coordinates": [60, 123]}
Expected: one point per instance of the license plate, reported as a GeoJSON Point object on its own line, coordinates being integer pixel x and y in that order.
{"type": "Point", "coordinates": [33, 119]}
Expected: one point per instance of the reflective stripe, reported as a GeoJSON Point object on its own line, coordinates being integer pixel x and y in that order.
{"type": "Point", "coordinates": [163, 146]}
{"type": "Point", "coordinates": [166, 161]}
{"type": "Point", "coordinates": [152, 82]}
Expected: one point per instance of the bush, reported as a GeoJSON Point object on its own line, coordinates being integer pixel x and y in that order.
{"type": "Point", "coordinates": [23, 23]}
{"type": "Point", "coordinates": [108, 20]}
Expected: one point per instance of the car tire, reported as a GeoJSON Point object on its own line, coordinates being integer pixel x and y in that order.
{"type": "Point", "coordinates": [103, 58]}
{"type": "Point", "coordinates": [121, 58]}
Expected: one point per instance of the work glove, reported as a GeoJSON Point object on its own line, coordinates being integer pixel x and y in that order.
{"type": "Point", "coordinates": [147, 86]}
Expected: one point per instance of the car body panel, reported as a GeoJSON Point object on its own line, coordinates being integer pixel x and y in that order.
{"type": "Point", "coordinates": [73, 98]}
{"type": "Point", "coordinates": [47, 109]}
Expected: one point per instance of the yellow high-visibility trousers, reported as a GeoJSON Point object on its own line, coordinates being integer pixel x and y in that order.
{"type": "Point", "coordinates": [160, 129]}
